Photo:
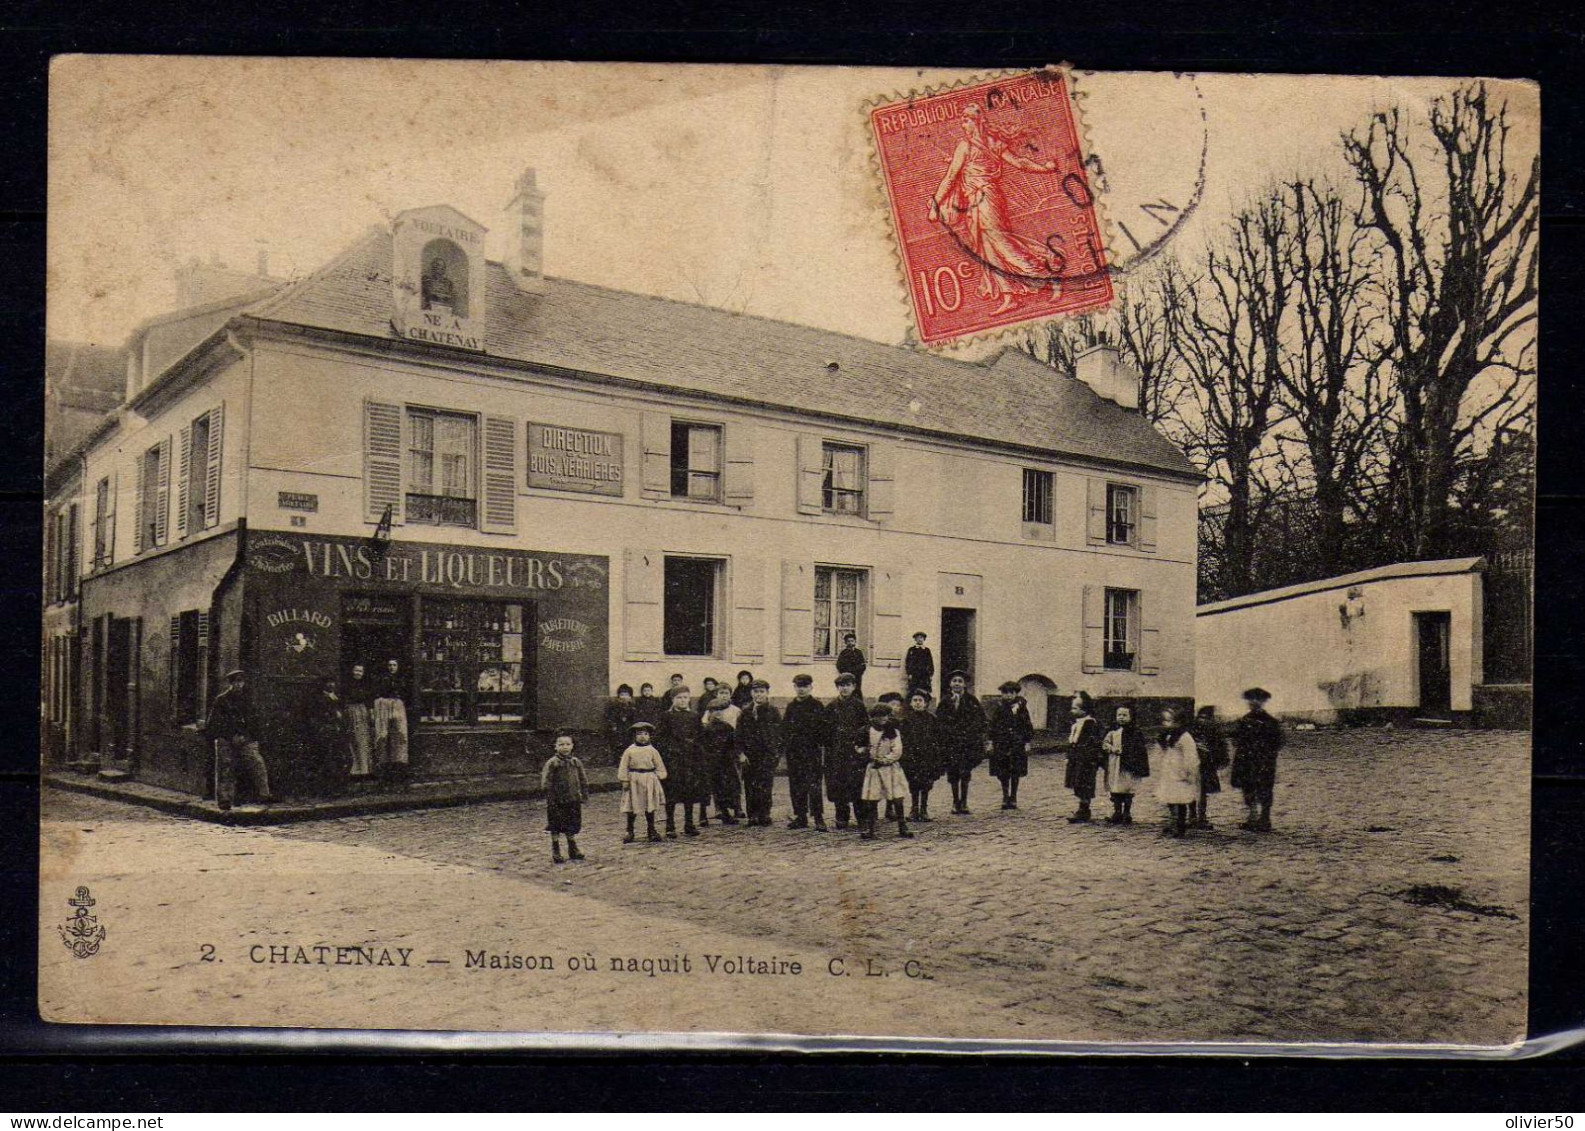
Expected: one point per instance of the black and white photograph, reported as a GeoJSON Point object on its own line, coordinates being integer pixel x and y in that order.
{"type": "Point", "coordinates": [817, 555]}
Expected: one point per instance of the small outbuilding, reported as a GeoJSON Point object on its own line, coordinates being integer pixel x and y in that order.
{"type": "Point", "coordinates": [1397, 642]}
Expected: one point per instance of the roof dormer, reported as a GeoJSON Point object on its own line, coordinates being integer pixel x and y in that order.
{"type": "Point", "coordinates": [438, 277]}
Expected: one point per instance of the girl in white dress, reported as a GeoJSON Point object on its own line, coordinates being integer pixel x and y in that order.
{"type": "Point", "coordinates": [883, 777]}
{"type": "Point", "coordinates": [1176, 770]}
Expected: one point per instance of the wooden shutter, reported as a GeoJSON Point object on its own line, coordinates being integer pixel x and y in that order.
{"type": "Point", "coordinates": [162, 499]}
{"type": "Point", "coordinates": [110, 527]}
{"type": "Point", "coordinates": [1149, 633]}
{"type": "Point", "coordinates": [382, 460]}
{"type": "Point", "coordinates": [1095, 530]}
{"type": "Point", "coordinates": [138, 505]}
{"type": "Point", "coordinates": [797, 611]}
{"type": "Point", "coordinates": [176, 657]}
{"type": "Point", "coordinates": [748, 608]}
{"type": "Point", "coordinates": [811, 476]}
{"type": "Point", "coordinates": [1147, 518]}
{"type": "Point", "coordinates": [882, 481]}
{"type": "Point", "coordinates": [738, 474]}
{"type": "Point", "coordinates": [498, 515]}
{"type": "Point", "coordinates": [1094, 649]}
{"type": "Point", "coordinates": [73, 561]}
{"type": "Point", "coordinates": [888, 606]}
{"type": "Point", "coordinates": [184, 471]}
{"type": "Point", "coordinates": [52, 558]}
{"type": "Point", "coordinates": [212, 467]}
{"type": "Point", "coordinates": [655, 432]}
{"type": "Point", "coordinates": [643, 586]}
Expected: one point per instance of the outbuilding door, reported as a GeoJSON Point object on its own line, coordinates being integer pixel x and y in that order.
{"type": "Point", "coordinates": [1433, 633]}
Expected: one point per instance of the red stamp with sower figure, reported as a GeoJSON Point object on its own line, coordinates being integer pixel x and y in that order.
{"type": "Point", "coordinates": [991, 206]}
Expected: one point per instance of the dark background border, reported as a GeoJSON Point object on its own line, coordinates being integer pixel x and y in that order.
{"type": "Point", "coordinates": [1501, 40]}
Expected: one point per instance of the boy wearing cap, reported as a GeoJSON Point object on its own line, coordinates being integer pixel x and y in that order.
{"type": "Point", "coordinates": [851, 661]}
{"type": "Point", "coordinates": [921, 752]}
{"type": "Point", "coordinates": [641, 771]}
{"type": "Point", "coordinates": [1011, 733]}
{"type": "Point", "coordinates": [688, 784]}
{"type": "Point", "coordinates": [566, 788]}
{"type": "Point", "coordinates": [1257, 737]}
{"type": "Point", "coordinates": [919, 665]}
{"type": "Point", "coordinates": [805, 732]}
{"type": "Point", "coordinates": [960, 727]}
{"type": "Point", "coordinates": [718, 743]}
{"type": "Point", "coordinates": [759, 738]}
{"type": "Point", "coordinates": [849, 749]}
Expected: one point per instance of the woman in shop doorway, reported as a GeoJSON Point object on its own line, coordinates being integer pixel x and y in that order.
{"type": "Point", "coordinates": [390, 724]}
{"type": "Point", "coordinates": [357, 700]}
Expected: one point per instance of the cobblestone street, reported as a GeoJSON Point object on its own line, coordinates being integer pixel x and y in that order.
{"type": "Point", "coordinates": [1022, 924]}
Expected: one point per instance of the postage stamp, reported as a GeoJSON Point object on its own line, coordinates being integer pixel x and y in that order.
{"type": "Point", "coordinates": [991, 205]}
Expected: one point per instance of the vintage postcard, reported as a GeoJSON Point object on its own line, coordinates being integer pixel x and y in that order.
{"type": "Point", "coordinates": [803, 555]}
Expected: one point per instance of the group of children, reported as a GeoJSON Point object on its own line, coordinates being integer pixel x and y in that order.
{"type": "Point", "coordinates": [870, 761]}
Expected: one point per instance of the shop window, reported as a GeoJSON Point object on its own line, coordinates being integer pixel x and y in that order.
{"type": "Point", "coordinates": [838, 596]}
{"type": "Point", "coordinates": [1122, 514]}
{"type": "Point", "coordinates": [104, 524]}
{"type": "Point", "coordinates": [692, 593]}
{"type": "Point", "coordinates": [441, 476]}
{"type": "Point", "coordinates": [1039, 515]}
{"type": "Point", "coordinates": [695, 461]}
{"type": "Point", "coordinates": [471, 662]}
{"type": "Point", "coordinates": [1121, 629]}
{"type": "Point", "coordinates": [842, 480]}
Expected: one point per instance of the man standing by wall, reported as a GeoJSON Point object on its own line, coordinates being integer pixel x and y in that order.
{"type": "Point", "coordinates": [231, 732]}
{"type": "Point", "coordinates": [919, 666]}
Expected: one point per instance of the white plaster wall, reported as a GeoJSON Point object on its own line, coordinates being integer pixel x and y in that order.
{"type": "Point", "coordinates": [1314, 666]}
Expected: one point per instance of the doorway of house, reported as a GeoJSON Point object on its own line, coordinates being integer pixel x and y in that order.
{"type": "Point", "coordinates": [957, 644]}
{"type": "Point", "coordinates": [1433, 632]}
{"type": "Point", "coordinates": [122, 643]}
{"type": "Point", "coordinates": [376, 627]}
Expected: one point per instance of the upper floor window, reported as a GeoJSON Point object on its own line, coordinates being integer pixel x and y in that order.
{"type": "Point", "coordinates": [441, 472]}
{"type": "Point", "coordinates": [842, 483]}
{"type": "Point", "coordinates": [695, 461]}
{"type": "Point", "coordinates": [838, 596]}
{"type": "Point", "coordinates": [198, 475]}
{"type": "Point", "coordinates": [1122, 514]}
{"type": "Point", "coordinates": [62, 559]}
{"type": "Point", "coordinates": [154, 491]}
{"type": "Point", "coordinates": [104, 523]}
{"type": "Point", "coordinates": [1038, 510]}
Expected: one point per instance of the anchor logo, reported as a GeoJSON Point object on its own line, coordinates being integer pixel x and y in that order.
{"type": "Point", "coordinates": [82, 933]}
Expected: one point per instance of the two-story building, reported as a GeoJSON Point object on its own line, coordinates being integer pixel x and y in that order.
{"type": "Point", "coordinates": [527, 490]}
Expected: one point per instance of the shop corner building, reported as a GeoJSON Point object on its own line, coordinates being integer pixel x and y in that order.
{"type": "Point", "coordinates": [529, 490]}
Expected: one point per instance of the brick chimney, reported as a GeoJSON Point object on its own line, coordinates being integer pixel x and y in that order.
{"type": "Point", "coordinates": [1101, 367]}
{"type": "Point", "coordinates": [525, 257]}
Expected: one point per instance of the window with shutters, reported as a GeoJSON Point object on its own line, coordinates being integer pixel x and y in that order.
{"type": "Point", "coordinates": [195, 491]}
{"type": "Point", "coordinates": [442, 480]}
{"type": "Point", "coordinates": [842, 479]}
{"type": "Point", "coordinates": [1122, 629]}
{"type": "Point", "coordinates": [690, 621]}
{"type": "Point", "coordinates": [1122, 514]}
{"type": "Point", "coordinates": [696, 461]}
{"type": "Point", "coordinates": [104, 524]}
{"type": "Point", "coordinates": [839, 597]}
{"type": "Point", "coordinates": [471, 662]}
{"type": "Point", "coordinates": [150, 521]}
{"type": "Point", "coordinates": [189, 653]}
{"type": "Point", "coordinates": [61, 560]}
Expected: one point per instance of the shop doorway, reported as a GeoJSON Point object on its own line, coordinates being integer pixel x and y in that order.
{"type": "Point", "coordinates": [376, 628]}
{"type": "Point", "coordinates": [122, 640]}
{"type": "Point", "coordinates": [957, 643]}
{"type": "Point", "coordinates": [1433, 632]}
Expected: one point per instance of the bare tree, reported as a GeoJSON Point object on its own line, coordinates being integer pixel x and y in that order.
{"type": "Point", "coordinates": [1224, 323]}
{"type": "Point", "coordinates": [1334, 380]}
{"type": "Point", "coordinates": [1458, 231]}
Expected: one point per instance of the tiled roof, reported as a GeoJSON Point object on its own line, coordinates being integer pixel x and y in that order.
{"type": "Point", "coordinates": [1010, 399]}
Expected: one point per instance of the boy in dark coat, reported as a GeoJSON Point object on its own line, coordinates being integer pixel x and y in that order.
{"type": "Point", "coordinates": [848, 753]}
{"type": "Point", "coordinates": [960, 729]}
{"type": "Point", "coordinates": [851, 661]}
{"type": "Point", "coordinates": [759, 738]}
{"type": "Point", "coordinates": [1257, 737]}
{"type": "Point", "coordinates": [919, 665]}
{"type": "Point", "coordinates": [718, 743]}
{"type": "Point", "coordinates": [687, 780]}
{"type": "Point", "coordinates": [647, 708]}
{"type": "Point", "coordinates": [1086, 755]}
{"type": "Point", "coordinates": [921, 752]}
{"type": "Point", "coordinates": [620, 715]}
{"type": "Point", "coordinates": [566, 789]}
{"type": "Point", "coordinates": [1011, 733]}
{"type": "Point", "coordinates": [806, 730]}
